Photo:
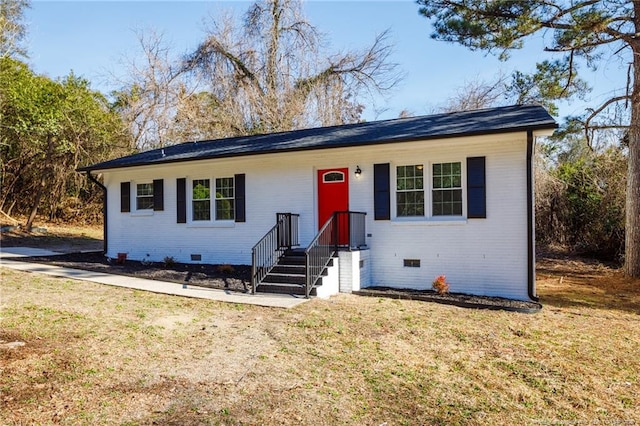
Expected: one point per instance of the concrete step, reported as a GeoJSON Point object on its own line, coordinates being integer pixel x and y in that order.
{"type": "Point", "coordinates": [284, 288]}
{"type": "Point", "coordinates": [292, 260]}
{"type": "Point", "coordinates": [288, 269]}
{"type": "Point", "coordinates": [272, 277]}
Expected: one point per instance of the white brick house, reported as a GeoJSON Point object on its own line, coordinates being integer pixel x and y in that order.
{"type": "Point", "coordinates": [443, 194]}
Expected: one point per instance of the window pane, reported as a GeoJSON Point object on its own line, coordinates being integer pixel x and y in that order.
{"type": "Point", "coordinates": [201, 210]}
{"type": "Point", "coordinates": [224, 210]}
{"type": "Point", "coordinates": [144, 189]}
{"type": "Point", "coordinates": [448, 197]}
{"type": "Point", "coordinates": [144, 203]}
{"type": "Point", "coordinates": [333, 177]}
{"type": "Point", "coordinates": [447, 192]}
{"type": "Point", "coordinates": [409, 190]}
{"type": "Point", "coordinates": [457, 208]}
{"type": "Point", "coordinates": [224, 188]}
{"type": "Point", "coordinates": [144, 196]}
{"type": "Point", "coordinates": [224, 193]}
{"type": "Point", "coordinates": [410, 171]}
{"type": "Point", "coordinates": [224, 198]}
{"type": "Point", "coordinates": [410, 184]}
{"type": "Point", "coordinates": [419, 203]}
{"type": "Point", "coordinates": [437, 182]}
{"type": "Point", "coordinates": [201, 189]}
{"type": "Point", "coordinates": [447, 202]}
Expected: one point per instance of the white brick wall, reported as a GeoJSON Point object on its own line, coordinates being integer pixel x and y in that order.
{"type": "Point", "coordinates": [352, 276]}
{"type": "Point", "coordinates": [481, 256]}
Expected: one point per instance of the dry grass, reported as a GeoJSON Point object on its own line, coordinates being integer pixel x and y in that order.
{"type": "Point", "coordinates": [56, 237]}
{"type": "Point", "coordinates": [101, 355]}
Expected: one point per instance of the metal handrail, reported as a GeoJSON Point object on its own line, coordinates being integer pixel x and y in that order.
{"type": "Point", "coordinates": [265, 254]}
{"type": "Point", "coordinates": [327, 241]}
{"type": "Point", "coordinates": [319, 253]}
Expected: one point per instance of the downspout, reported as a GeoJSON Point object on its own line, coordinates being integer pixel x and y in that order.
{"type": "Point", "coordinates": [531, 254]}
{"type": "Point", "coordinates": [104, 209]}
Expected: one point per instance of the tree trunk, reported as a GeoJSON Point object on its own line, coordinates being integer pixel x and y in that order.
{"type": "Point", "coordinates": [632, 225]}
{"type": "Point", "coordinates": [43, 183]}
{"type": "Point", "coordinates": [36, 203]}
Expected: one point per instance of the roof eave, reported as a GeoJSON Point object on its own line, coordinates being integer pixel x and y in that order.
{"type": "Point", "coordinates": [549, 126]}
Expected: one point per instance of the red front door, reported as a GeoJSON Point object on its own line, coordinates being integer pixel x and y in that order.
{"type": "Point", "coordinates": [333, 196]}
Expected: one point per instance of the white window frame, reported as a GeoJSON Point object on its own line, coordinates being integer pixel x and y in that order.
{"type": "Point", "coordinates": [428, 189]}
{"type": "Point", "coordinates": [192, 201]}
{"type": "Point", "coordinates": [133, 196]}
{"type": "Point", "coordinates": [232, 199]}
{"type": "Point", "coordinates": [213, 221]}
{"type": "Point", "coordinates": [452, 188]}
{"type": "Point", "coordinates": [418, 166]}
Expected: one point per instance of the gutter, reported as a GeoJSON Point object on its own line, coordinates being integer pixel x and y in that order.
{"type": "Point", "coordinates": [531, 254]}
{"type": "Point", "coordinates": [104, 209]}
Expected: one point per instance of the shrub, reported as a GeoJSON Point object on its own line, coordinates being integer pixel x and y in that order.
{"type": "Point", "coordinates": [169, 261]}
{"type": "Point", "coordinates": [440, 284]}
{"type": "Point", "coordinates": [225, 269]}
{"type": "Point", "coordinates": [580, 203]}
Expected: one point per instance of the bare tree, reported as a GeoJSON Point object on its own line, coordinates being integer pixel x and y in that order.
{"type": "Point", "coordinates": [12, 28]}
{"type": "Point", "coordinates": [270, 74]}
{"type": "Point", "coordinates": [154, 90]}
{"type": "Point", "coordinates": [477, 94]}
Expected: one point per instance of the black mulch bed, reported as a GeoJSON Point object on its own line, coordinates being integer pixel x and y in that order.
{"type": "Point", "coordinates": [238, 278]}
{"type": "Point", "coordinates": [456, 299]}
{"type": "Point", "coordinates": [227, 277]}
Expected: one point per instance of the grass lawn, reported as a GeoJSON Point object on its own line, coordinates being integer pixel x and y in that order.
{"type": "Point", "coordinates": [94, 354]}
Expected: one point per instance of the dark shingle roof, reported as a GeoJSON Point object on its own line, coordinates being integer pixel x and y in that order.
{"type": "Point", "coordinates": [468, 123]}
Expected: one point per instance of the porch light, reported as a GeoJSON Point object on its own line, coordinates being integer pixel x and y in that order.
{"type": "Point", "coordinates": [358, 171]}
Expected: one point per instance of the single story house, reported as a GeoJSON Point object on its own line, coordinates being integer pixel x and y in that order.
{"type": "Point", "coordinates": [387, 203]}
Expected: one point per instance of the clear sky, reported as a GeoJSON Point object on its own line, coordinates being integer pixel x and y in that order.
{"type": "Point", "coordinates": [91, 38]}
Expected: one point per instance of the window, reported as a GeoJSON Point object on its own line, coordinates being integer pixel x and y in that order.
{"type": "Point", "coordinates": [224, 199]}
{"type": "Point", "coordinates": [223, 203]}
{"type": "Point", "coordinates": [447, 189]}
{"type": "Point", "coordinates": [201, 200]}
{"type": "Point", "coordinates": [410, 190]}
{"type": "Point", "coordinates": [333, 177]}
{"type": "Point", "coordinates": [144, 196]}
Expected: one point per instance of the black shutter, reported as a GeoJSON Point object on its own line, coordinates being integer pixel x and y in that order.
{"type": "Point", "coordinates": [240, 198]}
{"type": "Point", "coordinates": [125, 197]}
{"type": "Point", "coordinates": [158, 195]}
{"type": "Point", "coordinates": [181, 196]}
{"type": "Point", "coordinates": [476, 188]}
{"type": "Point", "coordinates": [381, 192]}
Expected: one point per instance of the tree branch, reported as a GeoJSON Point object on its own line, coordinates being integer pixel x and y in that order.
{"type": "Point", "coordinates": [597, 111]}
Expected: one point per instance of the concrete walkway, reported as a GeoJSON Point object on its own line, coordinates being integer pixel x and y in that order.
{"type": "Point", "coordinates": [8, 254]}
